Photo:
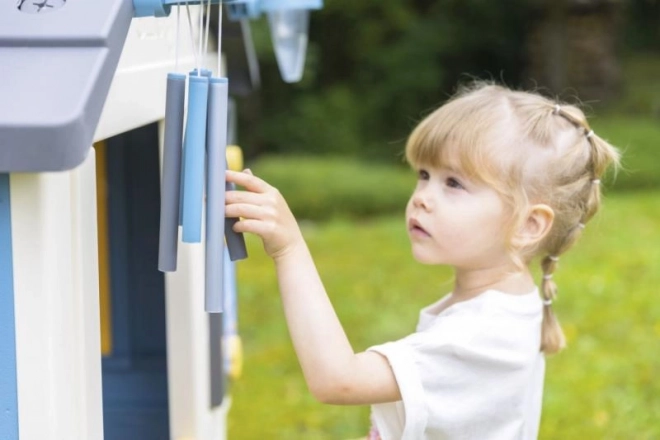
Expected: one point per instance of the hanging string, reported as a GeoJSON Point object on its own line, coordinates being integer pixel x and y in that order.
{"type": "Point", "coordinates": [206, 31]}
{"type": "Point", "coordinates": [220, 39]}
{"type": "Point", "coordinates": [192, 37]}
{"type": "Point", "coordinates": [176, 44]}
{"type": "Point", "coordinates": [201, 37]}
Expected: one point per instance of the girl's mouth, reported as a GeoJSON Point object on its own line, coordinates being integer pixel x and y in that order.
{"type": "Point", "coordinates": [416, 229]}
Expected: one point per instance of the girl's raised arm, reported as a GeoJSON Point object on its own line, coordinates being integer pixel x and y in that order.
{"type": "Point", "coordinates": [333, 371]}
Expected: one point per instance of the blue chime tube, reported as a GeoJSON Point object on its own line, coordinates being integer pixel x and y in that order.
{"type": "Point", "coordinates": [216, 145]}
{"type": "Point", "coordinates": [194, 151]}
{"type": "Point", "coordinates": [170, 187]}
{"type": "Point", "coordinates": [206, 73]}
{"type": "Point", "coordinates": [235, 240]}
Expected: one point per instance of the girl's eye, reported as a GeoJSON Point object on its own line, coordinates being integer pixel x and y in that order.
{"type": "Point", "coordinates": [453, 183]}
{"type": "Point", "coordinates": [423, 175]}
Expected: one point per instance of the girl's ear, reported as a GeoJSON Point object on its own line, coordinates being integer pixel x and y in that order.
{"type": "Point", "coordinates": [535, 226]}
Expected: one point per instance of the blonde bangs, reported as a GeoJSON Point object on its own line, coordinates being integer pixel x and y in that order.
{"type": "Point", "coordinates": [466, 134]}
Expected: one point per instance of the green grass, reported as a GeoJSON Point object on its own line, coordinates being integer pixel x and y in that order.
{"type": "Point", "coordinates": [604, 386]}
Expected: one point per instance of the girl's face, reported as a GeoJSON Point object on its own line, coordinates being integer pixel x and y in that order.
{"type": "Point", "coordinates": [456, 221]}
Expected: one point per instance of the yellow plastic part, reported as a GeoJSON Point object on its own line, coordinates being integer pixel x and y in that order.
{"type": "Point", "coordinates": [104, 249]}
{"type": "Point", "coordinates": [234, 158]}
{"type": "Point", "coordinates": [235, 349]}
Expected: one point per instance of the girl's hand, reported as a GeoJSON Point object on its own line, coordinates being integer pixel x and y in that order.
{"type": "Point", "coordinates": [264, 212]}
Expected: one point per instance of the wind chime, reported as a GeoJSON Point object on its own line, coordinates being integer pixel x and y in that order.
{"type": "Point", "coordinates": [194, 164]}
{"type": "Point", "coordinates": [194, 158]}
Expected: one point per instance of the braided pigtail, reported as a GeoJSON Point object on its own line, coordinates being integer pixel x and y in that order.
{"type": "Point", "coordinates": [552, 336]}
{"type": "Point", "coordinates": [582, 193]}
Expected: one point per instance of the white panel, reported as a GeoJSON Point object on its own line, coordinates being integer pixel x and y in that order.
{"type": "Point", "coordinates": [187, 344]}
{"type": "Point", "coordinates": [56, 304]}
{"type": "Point", "coordinates": [86, 277]}
{"type": "Point", "coordinates": [137, 93]}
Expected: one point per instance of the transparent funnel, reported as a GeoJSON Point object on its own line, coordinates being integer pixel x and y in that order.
{"type": "Point", "coordinates": [289, 31]}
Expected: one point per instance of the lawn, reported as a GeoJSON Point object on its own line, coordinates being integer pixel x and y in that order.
{"type": "Point", "coordinates": [604, 386]}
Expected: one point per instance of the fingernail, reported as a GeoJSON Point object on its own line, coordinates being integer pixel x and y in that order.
{"type": "Point", "coordinates": [247, 170]}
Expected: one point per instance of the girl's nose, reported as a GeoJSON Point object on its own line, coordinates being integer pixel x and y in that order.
{"type": "Point", "coordinates": [421, 200]}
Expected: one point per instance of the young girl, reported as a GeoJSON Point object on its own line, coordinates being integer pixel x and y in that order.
{"type": "Point", "coordinates": [503, 177]}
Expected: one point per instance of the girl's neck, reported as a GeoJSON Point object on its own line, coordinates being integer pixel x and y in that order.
{"type": "Point", "coordinates": [505, 278]}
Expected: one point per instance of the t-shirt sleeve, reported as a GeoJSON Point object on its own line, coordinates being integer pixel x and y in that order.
{"type": "Point", "coordinates": [457, 370]}
{"type": "Point", "coordinates": [403, 361]}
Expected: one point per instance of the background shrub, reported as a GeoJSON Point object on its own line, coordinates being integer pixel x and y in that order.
{"type": "Point", "coordinates": [319, 188]}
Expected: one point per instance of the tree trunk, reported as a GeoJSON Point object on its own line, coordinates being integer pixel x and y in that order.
{"type": "Point", "coordinates": [572, 49]}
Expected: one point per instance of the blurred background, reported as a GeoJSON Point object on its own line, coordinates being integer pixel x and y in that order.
{"type": "Point", "coordinates": [333, 146]}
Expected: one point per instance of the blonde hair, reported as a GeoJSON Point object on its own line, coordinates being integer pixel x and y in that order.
{"type": "Point", "coordinates": [529, 149]}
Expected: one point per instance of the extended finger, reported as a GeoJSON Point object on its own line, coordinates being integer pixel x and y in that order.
{"type": "Point", "coordinates": [248, 181]}
{"type": "Point", "coordinates": [249, 225]}
{"type": "Point", "coordinates": [243, 197]}
{"type": "Point", "coordinates": [244, 210]}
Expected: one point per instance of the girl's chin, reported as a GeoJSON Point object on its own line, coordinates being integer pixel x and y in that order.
{"type": "Point", "coordinates": [425, 258]}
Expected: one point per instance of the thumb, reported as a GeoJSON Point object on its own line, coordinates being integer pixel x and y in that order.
{"type": "Point", "coordinates": [248, 171]}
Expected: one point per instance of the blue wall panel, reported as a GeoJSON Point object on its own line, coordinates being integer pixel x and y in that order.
{"type": "Point", "coordinates": [135, 400]}
{"type": "Point", "coordinates": [8, 387]}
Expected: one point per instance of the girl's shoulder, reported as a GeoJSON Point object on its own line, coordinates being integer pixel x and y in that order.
{"type": "Point", "coordinates": [490, 316]}
{"type": "Point", "coordinates": [490, 302]}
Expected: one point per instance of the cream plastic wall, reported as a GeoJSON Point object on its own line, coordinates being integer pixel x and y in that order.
{"type": "Point", "coordinates": [56, 304]}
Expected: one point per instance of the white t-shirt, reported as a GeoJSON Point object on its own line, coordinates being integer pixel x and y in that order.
{"type": "Point", "coordinates": [474, 371]}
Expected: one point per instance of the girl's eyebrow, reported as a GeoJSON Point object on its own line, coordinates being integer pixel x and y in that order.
{"type": "Point", "coordinates": [453, 169]}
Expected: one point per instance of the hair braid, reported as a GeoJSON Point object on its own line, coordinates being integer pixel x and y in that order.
{"type": "Point", "coordinates": [600, 156]}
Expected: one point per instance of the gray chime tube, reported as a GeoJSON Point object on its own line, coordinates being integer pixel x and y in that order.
{"type": "Point", "coordinates": [216, 145]}
{"type": "Point", "coordinates": [170, 181]}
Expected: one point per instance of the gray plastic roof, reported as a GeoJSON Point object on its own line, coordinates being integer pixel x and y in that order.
{"type": "Point", "coordinates": [56, 66]}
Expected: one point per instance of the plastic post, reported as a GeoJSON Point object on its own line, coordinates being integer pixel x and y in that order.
{"type": "Point", "coordinates": [230, 324]}
{"type": "Point", "coordinates": [232, 358]}
{"type": "Point", "coordinates": [170, 188]}
{"type": "Point", "coordinates": [216, 144]}
{"type": "Point", "coordinates": [193, 185]}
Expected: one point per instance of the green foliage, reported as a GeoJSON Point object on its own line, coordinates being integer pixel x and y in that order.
{"type": "Point", "coordinates": [639, 140]}
{"type": "Point", "coordinates": [323, 188]}
{"type": "Point", "coordinates": [641, 94]}
{"type": "Point", "coordinates": [643, 27]}
{"type": "Point", "coordinates": [604, 386]}
{"type": "Point", "coordinates": [374, 69]}
{"type": "Point", "coordinates": [319, 188]}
